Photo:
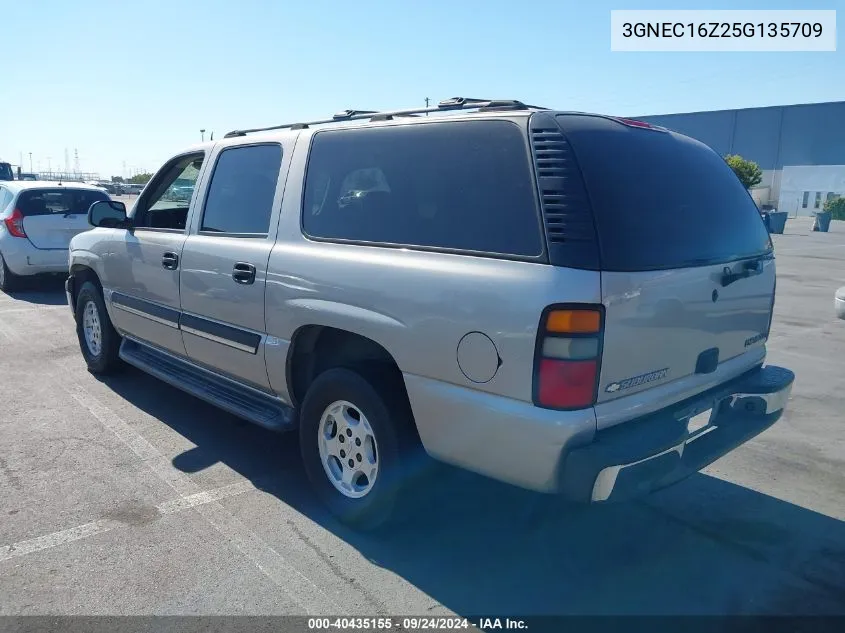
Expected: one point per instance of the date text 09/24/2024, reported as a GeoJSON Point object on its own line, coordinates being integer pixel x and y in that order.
{"type": "Point", "coordinates": [414, 624]}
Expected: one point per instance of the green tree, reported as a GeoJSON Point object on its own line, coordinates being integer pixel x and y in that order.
{"type": "Point", "coordinates": [836, 206]}
{"type": "Point", "coordinates": [140, 179]}
{"type": "Point", "coordinates": [748, 172]}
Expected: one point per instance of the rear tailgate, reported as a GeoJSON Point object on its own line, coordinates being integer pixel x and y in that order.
{"type": "Point", "coordinates": [51, 217]}
{"type": "Point", "coordinates": [686, 264]}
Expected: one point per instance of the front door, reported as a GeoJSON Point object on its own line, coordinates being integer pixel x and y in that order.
{"type": "Point", "coordinates": [142, 265]}
{"type": "Point", "coordinates": [224, 262]}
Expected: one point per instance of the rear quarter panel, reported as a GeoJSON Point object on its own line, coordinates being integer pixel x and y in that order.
{"type": "Point", "coordinates": [417, 305]}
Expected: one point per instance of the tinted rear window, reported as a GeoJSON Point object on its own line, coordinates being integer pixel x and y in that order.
{"type": "Point", "coordinates": [454, 185]}
{"type": "Point", "coordinates": [662, 200]}
{"type": "Point", "coordinates": [46, 201]}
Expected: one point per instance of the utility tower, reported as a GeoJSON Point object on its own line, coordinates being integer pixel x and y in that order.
{"type": "Point", "coordinates": [76, 160]}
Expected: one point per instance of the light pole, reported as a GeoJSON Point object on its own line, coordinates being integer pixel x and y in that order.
{"type": "Point", "coordinates": [202, 135]}
{"type": "Point", "coordinates": [30, 162]}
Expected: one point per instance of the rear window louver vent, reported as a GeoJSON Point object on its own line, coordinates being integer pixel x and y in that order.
{"type": "Point", "coordinates": [567, 216]}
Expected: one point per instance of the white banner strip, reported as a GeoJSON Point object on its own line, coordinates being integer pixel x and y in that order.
{"type": "Point", "coordinates": [728, 30]}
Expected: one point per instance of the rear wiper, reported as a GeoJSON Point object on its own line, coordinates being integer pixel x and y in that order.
{"type": "Point", "coordinates": [750, 267]}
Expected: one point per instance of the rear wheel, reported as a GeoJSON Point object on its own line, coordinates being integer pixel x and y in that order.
{"type": "Point", "coordinates": [353, 433]}
{"type": "Point", "coordinates": [98, 339]}
{"type": "Point", "coordinates": [9, 281]}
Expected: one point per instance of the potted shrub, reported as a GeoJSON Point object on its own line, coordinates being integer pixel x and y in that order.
{"type": "Point", "coordinates": [750, 175]}
{"type": "Point", "coordinates": [834, 209]}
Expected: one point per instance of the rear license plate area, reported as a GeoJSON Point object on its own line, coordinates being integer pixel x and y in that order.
{"type": "Point", "coordinates": [699, 423]}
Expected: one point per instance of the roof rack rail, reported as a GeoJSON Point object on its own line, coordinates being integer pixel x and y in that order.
{"type": "Point", "coordinates": [455, 103]}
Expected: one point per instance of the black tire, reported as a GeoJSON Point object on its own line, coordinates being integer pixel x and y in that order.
{"type": "Point", "coordinates": [9, 281]}
{"type": "Point", "coordinates": [106, 360]}
{"type": "Point", "coordinates": [382, 401]}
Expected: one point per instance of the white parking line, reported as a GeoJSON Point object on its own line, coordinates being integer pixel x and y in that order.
{"type": "Point", "coordinates": [297, 587]}
{"type": "Point", "coordinates": [48, 541]}
{"type": "Point", "coordinates": [206, 496]}
{"type": "Point", "coordinates": [38, 308]}
{"type": "Point", "coordinates": [9, 333]}
{"type": "Point", "coordinates": [55, 539]}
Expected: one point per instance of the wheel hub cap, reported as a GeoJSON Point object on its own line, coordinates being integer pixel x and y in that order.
{"type": "Point", "coordinates": [348, 449]}
{"type": "Point", "coordinates": [91, 328]}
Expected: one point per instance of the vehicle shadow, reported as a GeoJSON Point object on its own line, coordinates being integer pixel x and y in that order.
{"type": "Point", "coordinates": [44, 290]}
{"type": "Point", "coordinates": [479, 547]}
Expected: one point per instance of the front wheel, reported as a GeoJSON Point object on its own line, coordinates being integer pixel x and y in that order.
{"type": "Point", "coordinates": [351, 435]}
{"type": "Point", "coordinates": [98, 339]}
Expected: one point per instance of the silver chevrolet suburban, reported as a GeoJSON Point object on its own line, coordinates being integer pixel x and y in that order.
{"type": "Point", "coordinates": [572, 303]}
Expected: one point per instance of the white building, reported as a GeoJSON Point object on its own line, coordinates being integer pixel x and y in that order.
{"type": "Point", "coordinates": [800, 148]}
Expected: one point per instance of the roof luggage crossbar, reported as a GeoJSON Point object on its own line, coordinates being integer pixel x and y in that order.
{"type": "Point", "coordinates": [455, 103]}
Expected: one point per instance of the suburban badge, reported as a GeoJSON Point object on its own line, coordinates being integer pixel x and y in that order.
{"type": "Point", "coordinates": [635, 381]}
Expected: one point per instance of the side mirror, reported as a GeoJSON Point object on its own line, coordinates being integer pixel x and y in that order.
{"type": "Point", "coordinates": [109, 214]}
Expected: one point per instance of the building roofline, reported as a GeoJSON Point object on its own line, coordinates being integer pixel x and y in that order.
{"type": "Point", "coordinates": [771, 107]}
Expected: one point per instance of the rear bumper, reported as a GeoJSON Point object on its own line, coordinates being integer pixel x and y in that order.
{"type": "Point", "coordinates": [23, 258]}
{"type": "Point", "coordinates": [640, 456]}
{"type": "Point", "coordinates": [839, 302]}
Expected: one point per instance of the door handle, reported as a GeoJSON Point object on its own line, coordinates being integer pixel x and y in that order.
{"type": "Point", "coordinates": [243, 273]}
{"type": "Point", "coordinates": [170, 261]}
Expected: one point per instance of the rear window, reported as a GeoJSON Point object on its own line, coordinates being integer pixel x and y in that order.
{"type": "Point", "coordinates": [662, 200]}
{"type": "Point", "coordinates": [455, 185]}
{"type": "Point", "coordinates": [47, 201]}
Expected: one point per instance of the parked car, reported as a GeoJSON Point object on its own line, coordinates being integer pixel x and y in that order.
{"type": "Point", "coordinates": [111, 188]}
{"type": "Point", "coordinates": [97, 186]}
{"type": "Point", "coordinates": [460, 283]}
{"type": "Point", "coordinates": [6, 172]}
{"type": "Point", "coordinates": [28, 176]}
{"type": "Point", "coordinates": [37, 221]}
{"type": "Point", "coordinates": [182, 191]}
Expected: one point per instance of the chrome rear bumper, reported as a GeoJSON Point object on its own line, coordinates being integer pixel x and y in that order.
{"type": "Point", "coordinates": [640, 456]}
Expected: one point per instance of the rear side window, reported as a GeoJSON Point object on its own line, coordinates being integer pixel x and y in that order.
{"type": "Point", "coordinates": [48, 201]}
{"type": "Point", "coordinates": [5, 198]}
{"type": "Point", "coordinates": [661, 200]}
{"type": "Point", "coordinates": [454, 185]}
{"type": "Point", "coordinates": [240, 197]}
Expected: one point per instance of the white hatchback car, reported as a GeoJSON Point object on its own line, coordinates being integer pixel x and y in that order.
{"type": "Point", "coordinates": [37, 221]}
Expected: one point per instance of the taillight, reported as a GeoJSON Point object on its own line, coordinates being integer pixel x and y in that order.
{"type": "Point", "coordinates": [568, 356]}
{"type": "Point", "coordinates": [14, 224]}
{"type": "Point", "coordinates": [772, 308]}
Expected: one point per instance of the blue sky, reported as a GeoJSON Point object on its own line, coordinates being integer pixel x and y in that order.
{"type": "Point", "coordinates": [134, 82]}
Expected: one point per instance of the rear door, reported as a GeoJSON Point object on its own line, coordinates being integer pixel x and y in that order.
{"type": "Point", "coordinates": [51, 217]}
{"type": "Point", "coordinates": [687, 270]}
{"type": "Point", "coordinates": [224, 261]}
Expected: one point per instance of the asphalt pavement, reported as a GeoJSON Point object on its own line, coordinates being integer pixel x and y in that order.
{"type": "Point", "coordinates": [126, 496]}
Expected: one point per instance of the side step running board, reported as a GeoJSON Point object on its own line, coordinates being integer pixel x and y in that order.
{"type": "Point", "coordinates": [245, 402]}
